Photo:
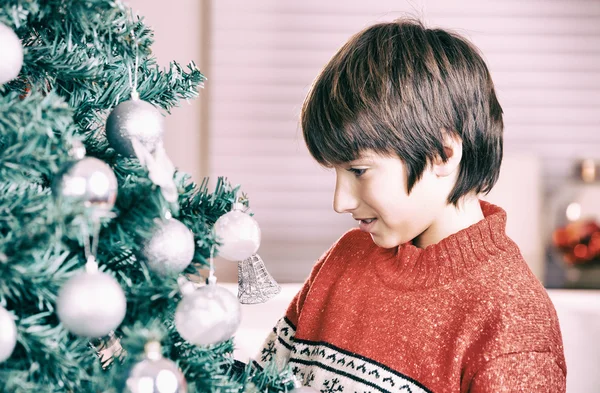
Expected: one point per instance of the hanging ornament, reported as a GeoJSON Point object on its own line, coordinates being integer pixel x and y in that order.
{"type": "Point", "coordinates": [91, 303]}
{"type": "Point", "coordinates": [238, 233]}
{"type": "Point", "coordinates": [12, 54]}
{"type": "Point", "coordinates": [207, 315]}
{"type": "Point", "coordinates": [134, 119]}
{"type": "Point", "coordinates": [155, 374]}
{"type": "Point", "coordinates": [170, 249]}
{"type": "Point", "coordinates": [255, 284]}
{"type": "Point", "coordinates": [8, 334]}
{"type": "Point", "coordinates": [89, 181]}
{"type": "Point", "coordinates": [160, 168]}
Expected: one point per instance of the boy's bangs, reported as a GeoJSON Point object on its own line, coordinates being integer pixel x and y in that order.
{"type": "Point", "coordinates": [330, 146]}
{"type": "Point", "coordinates": [336, 135]}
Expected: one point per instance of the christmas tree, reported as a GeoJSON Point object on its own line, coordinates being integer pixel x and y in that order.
{"type": "Point", "coordinates": [100, 237]}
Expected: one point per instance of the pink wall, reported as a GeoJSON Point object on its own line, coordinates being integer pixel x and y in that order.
{"type": "Point", "coordinates": [179, 36]}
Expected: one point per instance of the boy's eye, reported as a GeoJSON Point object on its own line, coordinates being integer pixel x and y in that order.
{"type": "Point", "coordinates": [358, 172]}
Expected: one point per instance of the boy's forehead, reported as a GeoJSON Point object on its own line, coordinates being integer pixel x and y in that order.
{"type": "Point", "coordinates": [366, 155]}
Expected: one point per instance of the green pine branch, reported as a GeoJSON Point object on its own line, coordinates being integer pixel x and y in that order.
{"type": "Point", "coordinates": [77, 58]}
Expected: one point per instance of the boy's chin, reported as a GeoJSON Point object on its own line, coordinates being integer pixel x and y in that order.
{"type": "Point", "coordinates": [385, 241]}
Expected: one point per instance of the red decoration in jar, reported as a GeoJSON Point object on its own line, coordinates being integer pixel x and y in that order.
{"type": "Point", "coordinates": [579, 242]}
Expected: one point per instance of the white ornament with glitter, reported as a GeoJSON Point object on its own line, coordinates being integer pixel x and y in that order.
{"type": "Point", "coordinates": [12, 54]}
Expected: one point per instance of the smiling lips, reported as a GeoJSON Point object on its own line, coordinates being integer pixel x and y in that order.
{"type": "Point", "coordinates": [365, 224]}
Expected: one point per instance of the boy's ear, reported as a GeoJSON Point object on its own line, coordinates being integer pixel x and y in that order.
{"type": "Point", "coordinates": [453, 150]}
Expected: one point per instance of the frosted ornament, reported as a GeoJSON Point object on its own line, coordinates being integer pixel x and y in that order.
{"type": "Point", "coordinates": [91, 303]}
{"type": "Point", "coordinates": [137, 119]}
{"type": "Point", "coordinates": [8, 334]}
{"type": "Point", "coordinates": [170, 249]}
{"type": "Point", "coordinates": [208, 315]}
{"type": "Point", "coordinates": [238, 233]}
{"type": "Point", "coordinates": [12, 54]}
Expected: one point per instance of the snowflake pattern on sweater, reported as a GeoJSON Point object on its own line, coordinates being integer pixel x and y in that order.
{"type": "Point", "coordinates": [464, 315]}
{"type": "Point", "coordinates": [329, 369]}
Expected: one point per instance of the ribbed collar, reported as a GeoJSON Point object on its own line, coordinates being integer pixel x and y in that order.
{"type": "Point", "coordinates": [409, 267]}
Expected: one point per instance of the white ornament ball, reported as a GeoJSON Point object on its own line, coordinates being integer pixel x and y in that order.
{"type": "Point", "coordinates": [170, 249]}
{"type": "Point", "coordinates": [208, 315]}
{"type": "Point", "coordinates": [8, 334]}
{"type": "Point", "coordinates": [89, 181]}
{"type": "Point", "coordinates": [239, 235]}
{"type": "Point", "coordinates": [134, 119]}
{"type": "Point", "coordinates": [303, 389]}
{"type": "Point", "coordinates": [91, 304]}
{"type": "Point", "coordinates": [12, 54]}
{"type": "Point", "coordinates": [156, 376]}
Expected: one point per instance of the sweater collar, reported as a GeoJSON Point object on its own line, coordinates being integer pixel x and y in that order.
{"type": "Point", "coordinates": [409, 267]}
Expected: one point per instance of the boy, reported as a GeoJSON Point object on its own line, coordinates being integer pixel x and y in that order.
{"type": "Point", "coordinates": [429, 294]}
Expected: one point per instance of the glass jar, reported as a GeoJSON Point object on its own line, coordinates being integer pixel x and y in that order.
{"type": "Point", "coordinates": [575, 227]}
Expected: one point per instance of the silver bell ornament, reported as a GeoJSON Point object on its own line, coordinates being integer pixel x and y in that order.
{"type": "Point", "coordinates": [238, 233]}
{"type": "Point", "coordinates": [134, 119]}
{"type": "Point", "coordinates": [170, 249]}
{"type": "Point", "coordinates": [89, 181]}
{"type": "Point", "coordinates": [12, 54]}
{"type": "Point", "coordinates": [8, 334]}
{"type": "Point", "coordinates": [207, 315]}
{"type": "Point", "coordinates": [255, 284]}
{"type": "Point", "coordinates": [91, 303]}
{"type": "Point", "coordinates": [155, 374]}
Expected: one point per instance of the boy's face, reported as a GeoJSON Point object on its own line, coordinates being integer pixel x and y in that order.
{"type": "Point", "coordinates": [374, 187]}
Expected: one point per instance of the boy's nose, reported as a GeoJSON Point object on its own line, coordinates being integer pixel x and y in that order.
{"type": "Point", "coordinates": [344, 200]}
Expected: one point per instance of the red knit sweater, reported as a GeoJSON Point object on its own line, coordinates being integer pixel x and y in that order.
{"type": "Point", "coordinates": [463, 315]}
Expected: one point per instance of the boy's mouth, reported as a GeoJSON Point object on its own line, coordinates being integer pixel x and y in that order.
{"type": "Point", "coordinates": [366, 224]}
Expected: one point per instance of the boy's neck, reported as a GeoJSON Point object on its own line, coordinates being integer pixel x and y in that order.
{"type": "Point", "coordinates": [450, 221]}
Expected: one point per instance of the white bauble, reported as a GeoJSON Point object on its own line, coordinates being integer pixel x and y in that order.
{"type": "Point", "coordinates": [208, 315]}
{"type": "Point", "coordinates": [12, 54]}
{"type": "Point", "coordinates": [8, 334]}
{"type": "Point", "coordinates": [239, 235]}
{"type": "Point", "coordinates": [170, 249]}
{"type": "Point", "coordinates": [91, 304]}
{"type": "Point", "coordinates": [134, 119]}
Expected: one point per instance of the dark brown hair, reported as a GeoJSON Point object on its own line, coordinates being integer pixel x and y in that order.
{"type": "Point", "coordinates": [392, 88]}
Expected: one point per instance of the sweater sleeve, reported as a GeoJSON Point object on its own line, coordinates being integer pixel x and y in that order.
{"type": "Point", "coordinates": [520, 372]}
{"type": "Point", "coordinates": [278, 345]}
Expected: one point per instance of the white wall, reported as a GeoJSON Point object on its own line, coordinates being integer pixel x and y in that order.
{"type": "Point", "coordinates": [544, 57]}
{"type": "Point", "coordinates": [261, 57]}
